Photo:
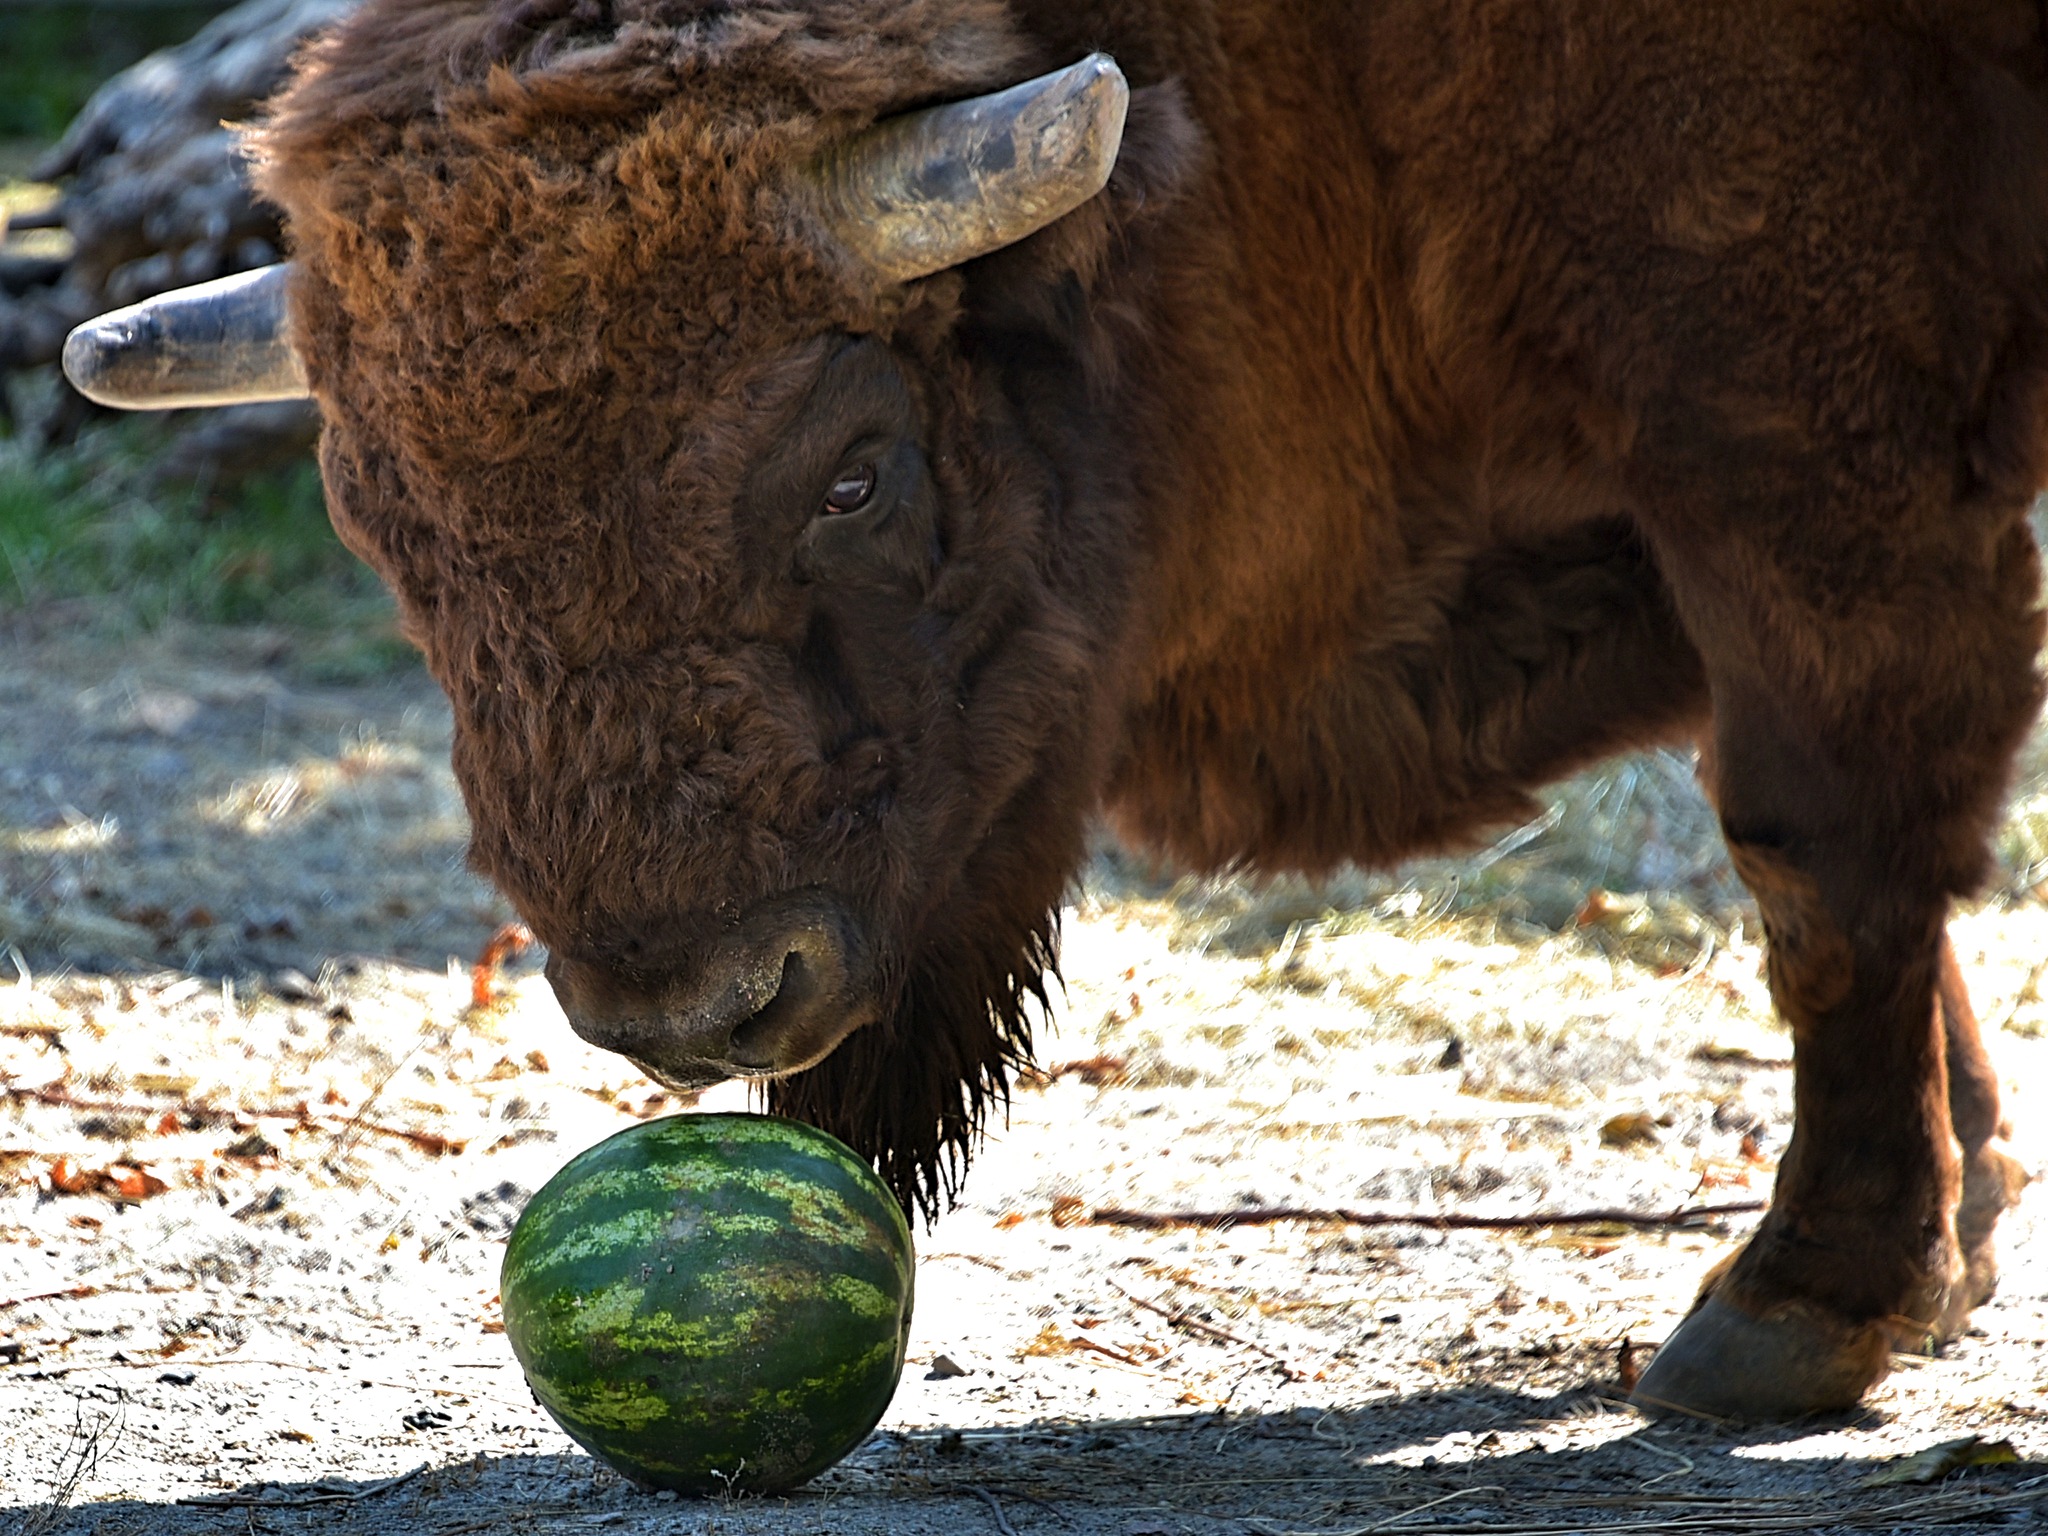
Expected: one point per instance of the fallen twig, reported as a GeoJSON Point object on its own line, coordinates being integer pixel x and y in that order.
{"type": "Point", "coordinates": [80, 1456]}
{"type": "Point", "coordinates": [1187, 1322]}
{"type": "Point", "coordinates": [1002, 1520]}
{"type": "Point", "coordinates": [345, 1139]}
{"type": "Point", "coordinates": [323, 1493]}
{"type": "Point", "coordinates": [1108, 1351]}
{"type": "Point", "coordinates": [1034, 1501]}
{"type": "Point", "coordinates": [1266, 1216]}
{"type": "Point", "coordinates": [73, 1293]}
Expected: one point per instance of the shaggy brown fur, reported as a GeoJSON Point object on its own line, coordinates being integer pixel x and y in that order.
{"type": "Point", "coordinates": [1446, 393]}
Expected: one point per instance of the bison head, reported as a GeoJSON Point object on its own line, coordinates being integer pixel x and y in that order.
{"type": "Point", "coordinates": [758, 547]}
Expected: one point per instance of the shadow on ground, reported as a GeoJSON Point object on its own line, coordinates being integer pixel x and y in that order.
{"type": "Point", "coordinates": [202, 808]}
{"type": "Point", "coordinates": [1467, 1460]}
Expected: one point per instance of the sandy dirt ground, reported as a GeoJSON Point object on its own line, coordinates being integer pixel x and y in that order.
{"type": "Point", "coordinates": [259, 1152]}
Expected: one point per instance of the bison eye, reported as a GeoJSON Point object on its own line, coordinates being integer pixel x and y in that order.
{"type": "Point", "coordinates": [851, 491]}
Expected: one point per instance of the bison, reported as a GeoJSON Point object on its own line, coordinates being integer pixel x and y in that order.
{"type": "Point", "coordinates": [831, 450]}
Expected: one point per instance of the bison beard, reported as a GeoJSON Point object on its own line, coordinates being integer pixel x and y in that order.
{"type": "Point", "coordinates": [912, 1092]}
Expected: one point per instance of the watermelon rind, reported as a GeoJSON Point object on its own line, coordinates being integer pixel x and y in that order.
{"type": "Point", "coordinates": [712, 1302]}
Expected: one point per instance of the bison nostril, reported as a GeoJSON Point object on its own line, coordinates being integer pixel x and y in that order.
{"type": "Point", "coordinates": [755, 1040]}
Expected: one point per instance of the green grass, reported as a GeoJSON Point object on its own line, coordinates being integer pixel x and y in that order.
{"type": "Point", "coordinates": [89, 526]}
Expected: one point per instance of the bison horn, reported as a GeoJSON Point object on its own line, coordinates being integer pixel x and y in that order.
{"type": "Point", "coordinates": [928, 190]}
{"type": "Point", "coordinates": [911, 196]}
{"type": "Point", "coordinates": [220, 343]}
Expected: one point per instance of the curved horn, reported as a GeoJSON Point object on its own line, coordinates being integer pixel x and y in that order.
{"type": "Point", "coordinates": [928, 190]}
{"type": "Point", "coordinates": [220, 343]}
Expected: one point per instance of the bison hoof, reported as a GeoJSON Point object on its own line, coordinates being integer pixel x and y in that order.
{"type": "Point", "coordinates": [1992, 1182]}
{"type": "Point", "coordinates": [1724, 1364]}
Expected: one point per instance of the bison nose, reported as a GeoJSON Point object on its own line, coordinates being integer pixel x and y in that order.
{"type": "Point", "coordinates": [770, 996]}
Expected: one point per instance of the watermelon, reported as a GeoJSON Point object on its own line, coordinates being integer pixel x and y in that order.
{"type": "Point", "coordinates": [711, 1302]}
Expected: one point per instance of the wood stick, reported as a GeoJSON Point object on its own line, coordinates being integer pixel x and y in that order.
{"type": "Point", "coordinates": [1266, 1216]}
{"type": "Point", "coordinates": [1180, 1317]}
{"type": "Point", "coordinates": [322, 1495]}
{"type": "Point", "coordinates": [1002, 1520]}
{"type": "Point", "coordinates": [73, 1293]}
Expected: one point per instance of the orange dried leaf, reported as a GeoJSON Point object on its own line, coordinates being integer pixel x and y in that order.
{"type": "Point", "coordinates": [510, 940]}
{"type": "Point", "coordinates": [1050, 1341]}
{"type": "Point", "coordinates": [134, 1183]}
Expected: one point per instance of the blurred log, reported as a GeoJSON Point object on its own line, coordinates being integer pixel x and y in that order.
{"type": "Point", "coordinates": [154, 196]}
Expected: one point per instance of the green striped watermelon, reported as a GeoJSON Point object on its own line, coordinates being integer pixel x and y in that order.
{"type": "Point", "coordinates": [712, 1301]}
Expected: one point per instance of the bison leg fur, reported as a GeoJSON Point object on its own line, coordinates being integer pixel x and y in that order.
{"type": "Point", "coordinates": [1879, 1234]}
{"type": "Point", "coordinates": [1992, 1178]}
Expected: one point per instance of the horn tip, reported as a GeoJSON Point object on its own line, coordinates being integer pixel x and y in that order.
{"type": "Point", "coordinates": [1103, 82]}
{"type": "Point", "coordinates": [225, 342]}
{"type": "Point", "coordinates": [1101, 66]}
{"type": "Point", "coordinates": [91, 355]}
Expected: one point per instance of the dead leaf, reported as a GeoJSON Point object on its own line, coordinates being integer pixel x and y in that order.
{"type": "Point", "coordinates": [1010, 1219]}
{"type": "Point", "coordinates": [163, 1082]}
{"type": "Point", "coordinates": [1069, 1211]}
{"type": "Point", "coordinates": [134, 1183]}
{"type": "Point", "coordinates": [68, 1178]}
{"type": "Point", "coordinates": [1939, 1461]}
{"type": "Point", "coordinates": [1095, 1071]}
{"type": "Point", "coordinates": [1049, 1341]}
{"type": "Point", "coordinates": [1629, 1130]}
{"type": "Point", "coordinates": [509, 941]}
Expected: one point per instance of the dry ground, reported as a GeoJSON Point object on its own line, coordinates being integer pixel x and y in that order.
{"type": "Point", "coordinates": [259, 1153]}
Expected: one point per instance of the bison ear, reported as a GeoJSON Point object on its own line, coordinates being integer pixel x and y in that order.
{"type": "Point", "coordinates": [1163, 154]}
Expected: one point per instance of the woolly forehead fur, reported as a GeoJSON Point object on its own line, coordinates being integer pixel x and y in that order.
{"type": "Point", "coordinates": [556, 282]}
{"type": "Point", "coordinates": [504, 211]}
